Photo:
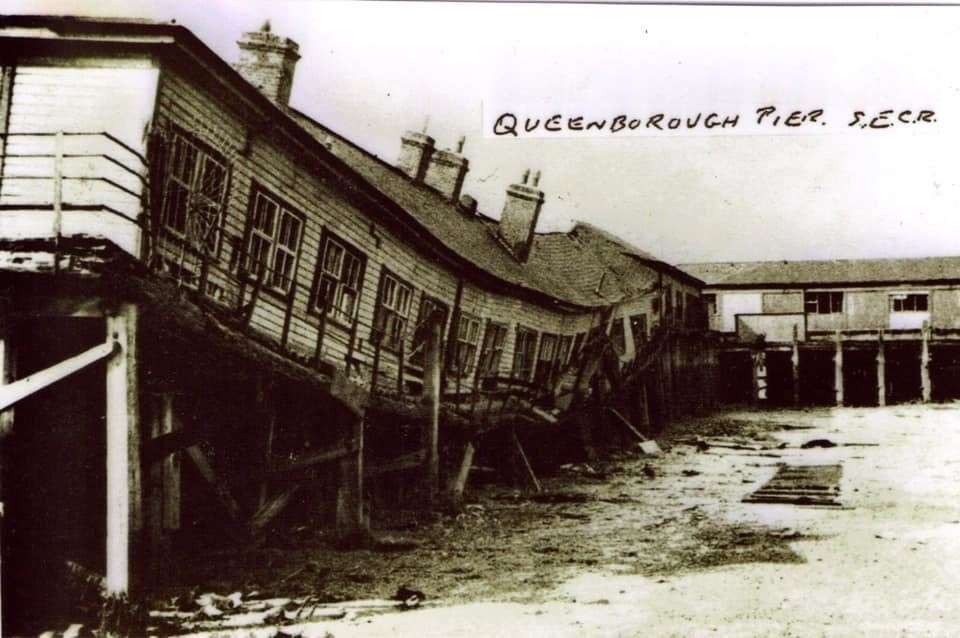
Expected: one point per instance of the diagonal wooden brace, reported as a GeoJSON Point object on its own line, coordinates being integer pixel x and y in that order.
{"type": "Point", "coordinates": [19, 390]}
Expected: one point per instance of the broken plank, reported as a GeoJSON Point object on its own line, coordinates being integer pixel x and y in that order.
{"type": "Point", "coordinates": [405, 462]}
{"type": "Point", "coordinates": [317, 458]}
{"type": "Point", "coordinates": [526, 463]}
{"type": "Point", "coordinates": [203, 466]}
{"type": "Point", "coordinates": [271, 509]}
{"type": "Point", "coordinates": [19, 390]}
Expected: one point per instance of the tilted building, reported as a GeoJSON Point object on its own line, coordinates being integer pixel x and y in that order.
{"type": "Point", "coordinates": [202, 285]}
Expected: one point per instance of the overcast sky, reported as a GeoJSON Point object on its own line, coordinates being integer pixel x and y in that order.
{"type": "Point", "coordinates": [371, 70]}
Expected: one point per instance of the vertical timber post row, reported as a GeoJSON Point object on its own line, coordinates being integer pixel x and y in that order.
{"type": "Point", "coordinates": [7, 375]}
{"type": "Point", "coordinates": [926, 389]}
{"type": "Point", "coordinates": [881, 371]}
{"type": "Point", "coordinates": [838, 369]}
{"type": "Point", "coordinates": [795, 366]}
{"type": "Point", "coordinates": [123, 454]}
{"type": "Point", "coordinates": [432, 391]}
{"type": "Point", "coordinates": [351, 518]}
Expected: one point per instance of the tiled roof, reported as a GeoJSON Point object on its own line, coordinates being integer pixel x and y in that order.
{"type": "Point", "coordinates": [566, 266]}
{"type": "Point", "coordinates": [837, 271]}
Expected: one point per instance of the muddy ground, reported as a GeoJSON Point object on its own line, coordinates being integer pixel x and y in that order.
{"type": "Point", "coordinates": [639, 515]}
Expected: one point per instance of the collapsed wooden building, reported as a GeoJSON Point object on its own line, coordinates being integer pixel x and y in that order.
{"type": "Point", "coordinates": [213, 304]}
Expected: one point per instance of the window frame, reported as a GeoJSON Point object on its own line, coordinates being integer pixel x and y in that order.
{"type": "Point", "coordinates": [207, 154]}
{"type": "Point", "coordinates": [490, 357]}
{"type": "Point", "coordinates": [378, 332]}
{"type": "Point", "coordinates": [909, 296]}
{"type": "Point", "coordinates": [283, 209]}
{"type": "Point", "coordinates": [817, 297]}
{"type": "Point", "coordinates": [459, 342]}
{"type": "Point", "coordinates": [419, 336]}
{"type": "Point", "coordinates": [543, 367]}
{"type": "Point", "coordinates": [640, 337]}
{"type": "Point", "coordinates": [333, 313]}
{"type": "Point", "coordinates": [516, 371]}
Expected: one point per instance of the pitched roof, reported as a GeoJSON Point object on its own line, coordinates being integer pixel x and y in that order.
{"type": "Point", "coordinates": [827, 272]}
{"type": "Point", "coordinates": [567, 266]}
{"type": "Point", "coordinates": [560, 268]}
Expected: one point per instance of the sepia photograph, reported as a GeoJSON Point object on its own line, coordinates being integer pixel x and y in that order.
{"type": "Point", "coordinates": [337, 319]}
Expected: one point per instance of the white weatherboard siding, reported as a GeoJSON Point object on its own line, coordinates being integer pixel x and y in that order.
{"type": "Point", "coordinates": [732, 304]}
{"type": "Point", "coordinates": [89, 98]}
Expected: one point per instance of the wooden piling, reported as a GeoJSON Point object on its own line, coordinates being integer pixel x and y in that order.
{"type": "Point", "coordinates": [881, 371]}
{"type": "Point", "coordinates": [123, 453]}
{"type": "Point", "coordinates": [795, 366]}
{"type": "Point", "coordinates": [838, 369]}
{"type": "Point", "coordinates": [926, 389]}
{"type": "Point", "coordinates": [432, 390]}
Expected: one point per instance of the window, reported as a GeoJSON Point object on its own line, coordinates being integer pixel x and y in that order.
{"type": "Point", "coordinates": [578, 343]}
{"type": "Point", "coordinates": [710, 301]}
{"type": "Point", "coordinates": [428, 307]}
{"type": "Point", "coordinates": [194, 194]}
{"type": "Point", "coordinates": [340, 279]}
{"type": "Point", "coordinates": [466, 344]}
{"type": "Point", "coordinates": [393, 309]}
{"type": "Point", "coordinates": [546, 358]}
{"type": "Point", "coordinates": [618, 335]}
{"type": "Point", "coordinates": [492, 350]}
{"type": "Point", "coordinates": [823, 303]}
{"type": "Point", "coordinates": [563, 351]}
{"type": "Point", "coordinates": [912, 302]}
{"type": "Point", "coordinates": [523, 353]}
{"type": "Point", "coordinates": [638, 326]}
{"type": "Point", "coordinates": [274, 241]}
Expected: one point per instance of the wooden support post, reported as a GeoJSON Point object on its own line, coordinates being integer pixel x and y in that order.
{"type": "Point", "coordinates": [400, 365]}
{"type": "Point", "coordinates": [432, 389]}
{"type": "Point", "coordinates": [352, 521]}
{"type": "Point", "coordinates": [760, 376]}
{"type": "Point", "coordinates": [795, 366]}
{"type": "Point", "coordinates": [881, 371]}
{"type": "Point", "coordinates": [57, 198]}
{"type": "Point", "coordinates": [459, 482]}
{"type": "Point", "coordinates": [926, 390]}
{"type": "Point", "coordinates": [268, 455]}
{"type": "Point", "coordinates": [123, 453]}
{"type": "Point", "coordinates": [7, 374]}
{"type": "Point", "coordinates": [838, 369]}
{"type": "Point", "coordinates": [375, 373]}
{"type": "Point", "coordinates": [162, 510]}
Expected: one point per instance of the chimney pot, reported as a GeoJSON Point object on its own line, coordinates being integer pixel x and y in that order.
{"type": "Point", "coordinates": [268, 61]}
{"type": "Point", "coordinates": [526, 176]}
{"type": "Point", "coordinates": [536, 179]}
{"type": "Point", "coordinates": [460, 143]}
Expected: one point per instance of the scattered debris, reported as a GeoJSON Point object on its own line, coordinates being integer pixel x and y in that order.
{"type": "Point", "coordinates": [801, 485]}
{"type": "Point", "coordinates": [818, 443]}
{"type": "Point", "coordinates": [691, 473]}
{"type": "Point", "coordinates": [648, 471]}
{"type": "Point", "coordinates": [409, 598]}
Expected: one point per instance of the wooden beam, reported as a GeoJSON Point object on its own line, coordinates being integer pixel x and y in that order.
{"type": "Point", "coordinates": [459, 482]}
{"type": "Point", "coordinates": [838, 369]}
{"type": "Point", "coordinates": [405, 462]}
{"type": "Point", "coordinates": [881, 371]}
{"type": "Point", "coordinates": [169, 423]}
{"type": "Point", "coordinates": [19, 390]}
{"type": "Point", "coordinates": [206, 470]}
{"type": "Point", "coordinates": [328, 455]}
{"type": "Point", "coordinates": [432, 391]}
{"type": "Point", "coordinates": [123, 463]}
{"type": "Point", "coordinates": [926, 389]}
{"type": "Point", "coordinates": [526, 463]}
{"type": "Point", "coordinates": [352, 520]}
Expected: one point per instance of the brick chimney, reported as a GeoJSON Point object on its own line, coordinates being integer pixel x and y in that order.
{"type": "Point", "coordinates": [416, 149]}
{"type": "Point", "coordinates": [446, 171]}
{"type": "Point", "coordinates": [520, 213]}
{"type": "Point", "coordinates": [268, 61]}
